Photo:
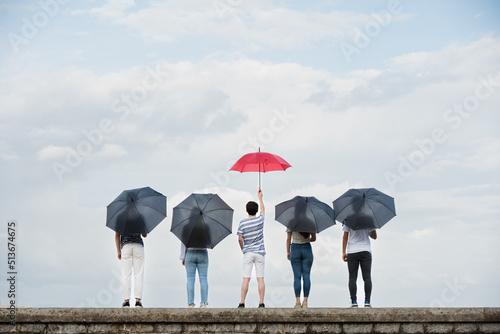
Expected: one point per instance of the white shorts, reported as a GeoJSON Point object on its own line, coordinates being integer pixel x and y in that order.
{"type": "Point", "coordinates": [249, 260]}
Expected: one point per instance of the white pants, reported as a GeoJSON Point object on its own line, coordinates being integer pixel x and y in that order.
{"type": "Point", "coordinates": [250, 260]}
{"type": "Point", "coordinates": [132, 261]}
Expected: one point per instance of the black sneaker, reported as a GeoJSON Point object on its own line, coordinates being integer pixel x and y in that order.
{"type": "Point", "coordinates": [241, 305]}
{"type": "Point", "coordinates": [262, 305]}
{"type": "Point", "coordinates": [125, 305]}
{"type": "Point", "coordinates": [138, 304]}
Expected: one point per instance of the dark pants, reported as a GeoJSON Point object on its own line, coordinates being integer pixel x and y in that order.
{"type": "Point", "coordinates": [354, 261]}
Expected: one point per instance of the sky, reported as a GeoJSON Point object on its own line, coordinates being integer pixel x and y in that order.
{"type": "Point", "coordinates": [101, 96]}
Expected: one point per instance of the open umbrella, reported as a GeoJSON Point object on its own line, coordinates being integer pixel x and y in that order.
{"type": "Point", "coordinates": [364, 208]}
{"type": "Point", "coordinates": [136, 211]}
{"type": "Point", "coordinates": [260, 162]}
{"type": "Point", "coordinates": [305, 214]}
{"type": "Point", "coordinates": [202, 220]}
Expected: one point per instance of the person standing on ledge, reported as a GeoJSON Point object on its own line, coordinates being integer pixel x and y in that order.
{"type": "Point", "coordinates": [358, 254]}
{"type": "Point", "coordinates": [131, 254]}
{"type": "Point", "coordinates": [299, 253]}
{"type": "Point", "coordinates": [195, 259]}
{"type": "Point", "coordinates": [251, 239]}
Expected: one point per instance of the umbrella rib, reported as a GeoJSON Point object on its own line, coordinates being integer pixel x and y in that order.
{"type": "Point", "coordinates": [110, 218]}
{"type": "Point", "coordinates": [350, 204]}
{"type": "Point", "coordinates": [148, 206]}
{"type": "Point", "coordinates": [218, 222]}
{"type": "Point", "coordinates": [388, 208]}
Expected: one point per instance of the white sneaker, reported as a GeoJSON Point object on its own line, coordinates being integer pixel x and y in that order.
{"type": "Point", "coordinates": [203, 305]}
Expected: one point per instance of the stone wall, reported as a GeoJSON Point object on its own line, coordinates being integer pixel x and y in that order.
{"type": "Point", "coordinates": [270, 320]}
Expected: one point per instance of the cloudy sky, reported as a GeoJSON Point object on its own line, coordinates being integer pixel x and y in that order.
{"type": "Point", "coordinates": [101, 96]}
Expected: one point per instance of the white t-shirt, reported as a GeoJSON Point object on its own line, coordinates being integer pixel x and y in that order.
{"type": "Point", "coordinates": [298, 238]}
{"type": "Point", "coordinates": [359, 240]}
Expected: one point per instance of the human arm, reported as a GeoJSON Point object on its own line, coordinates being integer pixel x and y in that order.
{"type": "Point", "coordinates": [117, 242]}
{"type": "Point", "coordinates": [240, 241]}
{"type": "Point", "coordinates": [262, 208]}
{"type": "Point", "coordinates": [182, 256]}
{"type": "Point", "coordinates": [344, 246]}
{"type": "Point", "coordinates": [313, 237]}
{"type": "Point", "coordinates": [288, 244]}
{"type": "Point", "coordinates": [373, 234]}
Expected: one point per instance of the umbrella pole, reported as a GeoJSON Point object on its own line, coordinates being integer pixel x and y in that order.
{"type": "Point", "coordinates": [259, 171]}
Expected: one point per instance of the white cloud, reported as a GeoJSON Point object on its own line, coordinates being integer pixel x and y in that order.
{"type": "Point", "coordinates": [112, 151]}
{"type": "Point", "coordinates": [421, 234]}
{"type": "Point", "coordinates": [113, 8]}
{"type": "Point", "coordinates": [486, 157]}
{"type": "Point", "coordinates": [255, 23]}
{"type": "Point", "coordinates": [8, 157]}
{"type": "Point", "coordinates": [344, 131]}
{"type": "Point", "coordinates": [52, 152]}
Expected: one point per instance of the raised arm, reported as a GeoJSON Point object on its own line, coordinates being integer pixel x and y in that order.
{"type": "Point", "coordinates": [262, 208]}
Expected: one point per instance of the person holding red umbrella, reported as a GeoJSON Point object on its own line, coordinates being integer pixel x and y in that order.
{"type": "Point", "coordinates": [251, 239]}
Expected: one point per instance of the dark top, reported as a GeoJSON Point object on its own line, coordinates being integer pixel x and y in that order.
{"type": "Point", "coordinates": [131, 239]}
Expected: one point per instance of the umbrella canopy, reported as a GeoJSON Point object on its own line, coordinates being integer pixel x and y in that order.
{"type": "Point", "coordinates": [305, 214]}
{"type": "Point", "coordinates": [364, 208]}
{"type": "Point", "coordinates": [202, 220]}
{"type": "Point", "coordinates": [136, 211]}
{"type": "Point", "coordinates": [260, 162]}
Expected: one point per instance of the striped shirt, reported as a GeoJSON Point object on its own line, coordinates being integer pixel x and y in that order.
{"type": "Point", "coordinates": [252, 231]}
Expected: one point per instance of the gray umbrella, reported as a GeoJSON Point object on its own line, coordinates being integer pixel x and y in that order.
{"type": "Point", "coordinates": [365, 208]}
{"type": "Point", "coordinates": [136, 211]}
{"type": "Point", "coordinates": [305, 214]}
{"type": "Point", "coordinates": [202, 220]}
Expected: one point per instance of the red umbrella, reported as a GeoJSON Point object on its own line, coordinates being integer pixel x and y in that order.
{"type": "Point", "coordinates": [260, 162]}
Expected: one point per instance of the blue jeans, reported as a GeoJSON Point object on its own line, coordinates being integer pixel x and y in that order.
{"type": "Point", "coordinates": [197, 259]}
{"type": "Point", "coordinates": [301, 257]}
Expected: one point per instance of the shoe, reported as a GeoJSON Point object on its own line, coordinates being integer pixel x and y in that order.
{"type": "Point", "coordinates": [241, 305]}
{"type": "Point", "coordinates": [191, 306]}
{"type": "Point", "coordinates": [138, 304]}
{"type": "Point", "coordinates": [354, 304]}
{"type": "Point", "coordinates": [203, 305]}
{"type": "Point", "coordinates": [367, 304]}
{"type": "Point", "coordinates": [126, 305]}
{"type": "Point", "coordinates": [297, 305]}
{"type": "Point", "coordinates": [261, 305]}
{"type": "Point", "coordinates": [304, 304]}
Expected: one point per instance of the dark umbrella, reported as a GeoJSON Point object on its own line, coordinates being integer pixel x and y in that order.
{"type": "Point", "coordinates": [202, 220]}
{"type": "Point", "coordinates": [136, 211]}
{"type": "Point", "coordinates": [364, 208]}
{"type": "Point", "coordinates": [260, 162]}
{"type": "Point", "coordinates": [305, 214]}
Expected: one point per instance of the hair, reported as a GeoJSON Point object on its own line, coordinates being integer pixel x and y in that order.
{"type": "Point", "coordinates": [252, 208]}
{"type": "Point", "coordinates": [305, 235]}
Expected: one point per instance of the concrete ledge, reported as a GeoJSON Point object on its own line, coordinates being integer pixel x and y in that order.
{"type": "Point", "coordinates": [270, 320]}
